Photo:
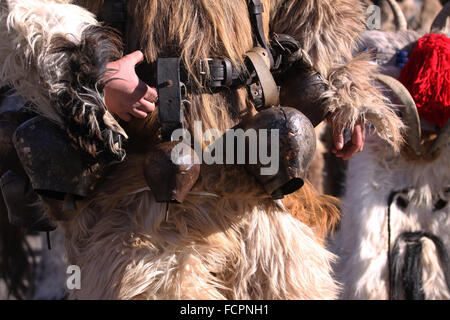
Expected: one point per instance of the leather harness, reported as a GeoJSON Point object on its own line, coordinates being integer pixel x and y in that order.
{"type": "Point", "coordinates": [172, 79]}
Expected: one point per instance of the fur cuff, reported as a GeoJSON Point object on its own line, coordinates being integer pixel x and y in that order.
{"type": "Point", "coordinates": [352, 97]}
{"type": "Point", "coordinates": [79, 95]}
{"type": "Point", "coordinates": [54, 55]}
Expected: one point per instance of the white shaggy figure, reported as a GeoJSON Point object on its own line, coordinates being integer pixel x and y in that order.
{"type": "Point", "coordinates": [394, 202]}
{"type": "Point", "coordinates": [362, 240]}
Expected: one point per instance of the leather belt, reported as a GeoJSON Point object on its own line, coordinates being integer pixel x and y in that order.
{"type": "Point", "coordinates": [222, 74]}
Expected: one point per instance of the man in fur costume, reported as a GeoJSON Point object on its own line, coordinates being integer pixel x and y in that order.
{"type": "Point", "coordinates": [228, 238]}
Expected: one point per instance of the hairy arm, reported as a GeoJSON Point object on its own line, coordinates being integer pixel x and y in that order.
{"type": "Point", "coordinates": [328, 31]}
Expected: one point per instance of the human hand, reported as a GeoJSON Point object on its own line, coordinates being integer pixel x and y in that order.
{"type": "Point", "coordinates": [355, 145]}
{"type": "Point", "coordinates": [125, 94]}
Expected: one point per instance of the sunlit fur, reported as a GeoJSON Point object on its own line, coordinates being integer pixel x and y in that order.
{"type": "Point", "coordinates": [39, 58]}
{"type": "Point", "coordinates": [361, 242]}
{"type": "Point", "coordinates": [27, 28]}
{"type": "Point", "coordinates": [330, 41]}
{"type": "Point", "coordinates": [227, 240]}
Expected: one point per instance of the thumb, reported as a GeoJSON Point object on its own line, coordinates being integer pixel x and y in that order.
{"type": "Point", "coordinates": [338, 140]}
{"type": "Point", "coordinates": [135, 57]}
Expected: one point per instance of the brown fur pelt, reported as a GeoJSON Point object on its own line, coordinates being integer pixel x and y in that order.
{"type": "Point", "coordinates": [314, 209]}
{"type": "Point", "coordinates": [227, 240]}
{"type": "Point", "coordinates": [319, 39]}
{"type": "Point", "coordinates": [329, 41]}
{"type": "Point", "coordinates": [316, 170]}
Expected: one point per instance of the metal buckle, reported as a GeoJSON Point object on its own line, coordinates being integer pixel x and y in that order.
{"type": "Point", "coordinates": [204, 71]}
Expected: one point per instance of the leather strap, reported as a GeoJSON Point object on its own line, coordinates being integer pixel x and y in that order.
{"type": "Point", "coordinates": [222, 74]}
{"type": "Point", "coordinates": [256, 10]}
{"type": "Point", "coordinates": [267, 88]}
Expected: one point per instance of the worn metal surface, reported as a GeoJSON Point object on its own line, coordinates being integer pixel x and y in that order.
{"type": "Point", "coordinates": [51, 161]}
{"type": "Point", "coordinates": [296, 146]}
{"type": "Point", "coordinates": [24, 206]}
{"type": "Point", "coordinates": [169, 95]}
{"type": "Point", "coordinates": [171, 175]}
{"type": "Point", "coordinates": [9, 121]}
{"type": "Point", "coordinates": [302, 88]}
{"type": "Point", "coordinates": [259, 60]}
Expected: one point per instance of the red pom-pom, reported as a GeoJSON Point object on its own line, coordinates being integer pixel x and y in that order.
{"type": "Point", "coordinates": [427, 77]}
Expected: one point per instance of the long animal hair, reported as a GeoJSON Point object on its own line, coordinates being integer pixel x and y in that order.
{"type": "Point", "coordinates": [406, 278]}
{"type": "Point", "coordinates": [207, 23]}
{"type": "Point", "coordinates": [330, 43]}
{"type": "Point", "coordinates": [318, 211]}
{"type": "Point", "coordinates": [362, 239]}
{"type": "Point", "coordinates": [49, 72]}
{"type": "Point", "coordinates": [227, 240]}
{"type": "Point", "coordinates": [224, 241]}
{"type": "Point", "coordinates": [195, 31]}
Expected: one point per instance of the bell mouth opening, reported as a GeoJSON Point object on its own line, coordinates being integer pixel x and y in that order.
{"type": "Point", "coordinates": [290, 187]}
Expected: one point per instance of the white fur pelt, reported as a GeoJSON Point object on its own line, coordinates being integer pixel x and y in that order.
{"type": "Point", "coordinates": [228, 246]}
{"type": "Point", "coordinates": [44, 69]}
{"type": "Point", "coordinates": [29, 27]}
{"type": "Point", "coordinates": [361, 242]}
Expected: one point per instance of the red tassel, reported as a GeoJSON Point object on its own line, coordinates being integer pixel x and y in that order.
{"type": "Point", "coordinates": [427, 77]}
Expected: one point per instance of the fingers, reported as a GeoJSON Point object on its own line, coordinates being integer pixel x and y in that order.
{"type": "Point", "coordinates": [357, 137]}
{"type": "Point", "coordinates": [146, 106]}
{"type": "Point", "coordinates": [142, 108]}
{"type": "Point", "coordinates": [138, 113]}
{"type": "Point", "coordinates": [349, 150]}
{"type": "Point", "coordinates": [355, 145]}
{"type": "Point", "coordinates": [135, 57]}
{"type": "Point", "coordinates": [363, 129]}
{"type": "Point", "coordinates": [139, 110]}
{"type": "Point", "coordinates": [151, 94]}
{"type": "Point", "coordinates": [338, 141]}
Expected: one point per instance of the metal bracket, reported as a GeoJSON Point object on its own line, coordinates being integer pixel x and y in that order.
{"type": "Point", "coordinates": [169, 95]}
{"type": "Point", "coordinates": [266, 93]}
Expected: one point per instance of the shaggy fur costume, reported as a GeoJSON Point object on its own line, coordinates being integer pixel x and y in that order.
{"type": "Point", "coordinates": [420, 205]}
{"type": "Point", "coordinates": [62, 86]}
{"type": "Point", "coordinates": [228, 239]}
{"type": "Point", "coordinates": [361, 242]}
